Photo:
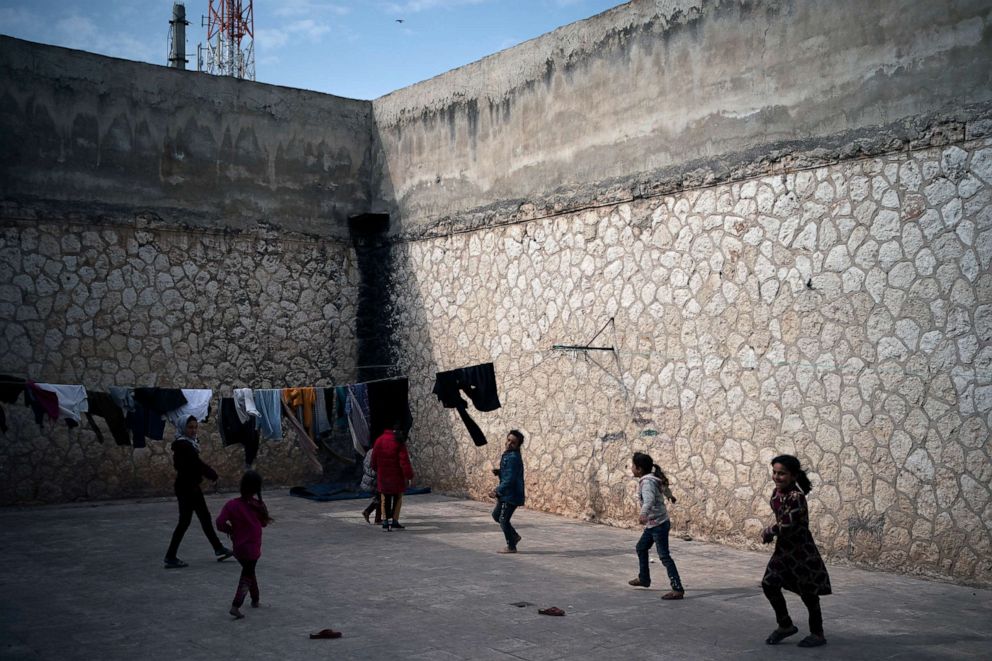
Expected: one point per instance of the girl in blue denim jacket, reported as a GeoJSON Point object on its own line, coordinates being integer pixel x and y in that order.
{"type": "Point", "coordinates": [652, 490]}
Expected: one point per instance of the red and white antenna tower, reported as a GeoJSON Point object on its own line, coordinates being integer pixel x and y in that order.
{"type": "Point", "coordinates": [230, 49]}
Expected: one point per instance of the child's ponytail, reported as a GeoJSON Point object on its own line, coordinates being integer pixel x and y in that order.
{"type": "Point", "coordinates": [251, 487]}
{"type": "Point", "coordinates": [660, 474]}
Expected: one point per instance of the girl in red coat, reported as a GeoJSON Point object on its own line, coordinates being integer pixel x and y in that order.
{"type": "Point", "coordinates": [393, 473]}
{"type": "Point", "coordinates": [243, 519]}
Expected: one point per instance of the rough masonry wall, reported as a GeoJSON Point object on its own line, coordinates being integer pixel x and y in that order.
{"type": "Point", "coordinates": [662, 94]}
{"type": "Point", "coordinates": [155, 306]}
{"type": "Point", "coordinates": [842, 313]}
{"type": "Point", "coordinates": [168, 228]}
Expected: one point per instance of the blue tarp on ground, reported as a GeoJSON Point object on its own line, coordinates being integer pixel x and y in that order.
{"type": "Point", "coordinates": [341, 491]}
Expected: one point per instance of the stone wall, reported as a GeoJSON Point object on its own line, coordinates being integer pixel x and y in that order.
{"type": "Point", "coordinates": [151, 305]}
{"type": "Point", "coordinates": [842, 313]}
{"type": "Point", "coordinates": [675, 93]}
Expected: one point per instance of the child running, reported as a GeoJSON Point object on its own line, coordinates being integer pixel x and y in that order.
{"type": "Point", "coordinates": [652, 490]}
{"type": "Point", "coordinates": [243, 519]}
{"type": "Point", "coordinates": [795, 564]}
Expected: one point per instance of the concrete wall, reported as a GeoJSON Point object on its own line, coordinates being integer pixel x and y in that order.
{"type": "Point", "coordinates": [87, 137]}
{"type": "Point", "coordinates": [675, 93]}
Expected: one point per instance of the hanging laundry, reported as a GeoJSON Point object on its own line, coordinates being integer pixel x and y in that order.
{"type": "Point", "coordinates": [341, 407]}
{"type": "Point", "coordinates": [302, 398]}
{"type": "Point", "coordinates": [234, 431]}
{"type": "Point", "coordinates": [269, 404]}
{"type": "Point", "coordinates": [159, 400]}
{"type": "Point", "coordinates": [41, 402]}
{"type": "Point", "coordinates": [302, 437]}
{"type": "Point", "coordinates": [11, 388]}
{"type": "Point", "coordinates": [357, 408]}
{"type": "Point", "coordinates": [244, 404]}
{"type": "Point", "coordinates": [123, 397]}
{"type": "Point", "coordinates": [144, 423]}
{"type": "Point", "coordinates": [101, 404]}
{"type": "Point", "coordinates": [479, 383]}
{"type": "Point", "coordinates": [389, 405]}
{"type": "Point", "coordinates": [72, 400]}
{"type": "Point", "coordinates": [197, 405]}
{"type": "Point", "coordinates": [321, 421]}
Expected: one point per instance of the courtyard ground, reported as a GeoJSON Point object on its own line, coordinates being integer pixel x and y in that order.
{"type": "Point", "coordinates": [87, 582]}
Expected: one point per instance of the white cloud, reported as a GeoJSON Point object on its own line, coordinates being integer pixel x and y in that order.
{"type": "Point", "coordinates": [308, 28]}
{"type": "Point", "coordinates": [507, 42]}
{"type": "Point", "coordinates": [301, 7]}
{"type": "Point", "coordinates": [16, 19]}
{"type": "Point", "coordinates": [415, 6]}
{"type": "Point", "coordinates": [75, 31]}
{"type": "Point", "coordinates": [270, 39]}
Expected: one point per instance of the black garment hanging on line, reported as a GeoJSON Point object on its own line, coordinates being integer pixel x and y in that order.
{"type": "Point", "coordinates": [102, 405]}
{"type": "Point", "coordinates": [233, 431]}
{"type": "Point", "coordinates": [479, 383]}
{"type": "Point", "coordinates": [144, 423]}
{"type": "Point", "coordinates": [159, 400]}
{"type": "Point", "coordinates": [389, 404]}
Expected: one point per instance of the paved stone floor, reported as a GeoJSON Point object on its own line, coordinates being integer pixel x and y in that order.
{"type": "Point", "coordinates": [86, 582]}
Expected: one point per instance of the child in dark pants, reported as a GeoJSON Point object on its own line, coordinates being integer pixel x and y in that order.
{"type": "Point", "coordinates": [243, 519]}
{"type": "Point", "coordinates": [190, 471]}
{"type": "Point", "coordinates": [509, 494]}
{"type": "Point", "coordinates": [795, 564]}
{"type": "Point", "coordinates": [652, 491]}
{"type": "Point", "coordinates": [391, 463]}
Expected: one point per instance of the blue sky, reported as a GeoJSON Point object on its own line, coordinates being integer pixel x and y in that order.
{"type": "Point", "coordinates": [352, 48]}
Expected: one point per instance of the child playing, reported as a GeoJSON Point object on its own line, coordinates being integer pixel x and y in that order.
{"type": "Point", "coordinates": [394, 474]}
{"type": "Point", "coordinates": [795, 564]}
{"type": "Point", "coordinates": [370, 483]}
{"type": "Point", "coordinates": [509, 493]}
{"type": "Point", "coordinates": [243, 519]}
{"type": "Point", "coordinates": [652, 490]}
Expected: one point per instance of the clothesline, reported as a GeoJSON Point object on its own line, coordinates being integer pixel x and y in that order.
{"type": "Point", "coordinates": [333, 385]}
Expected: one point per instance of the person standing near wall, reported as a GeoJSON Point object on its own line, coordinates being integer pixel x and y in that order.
{"type": "Point", "coordinates": [394, 474]}
{"type": "Point", "coordinates": [190, 471]}
{"type": "Point", "coordinates": [509, 494]}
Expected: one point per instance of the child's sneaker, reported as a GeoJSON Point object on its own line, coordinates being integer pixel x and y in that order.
{"type": "Point", "coordinates": [255, 604]}
{"type": "Point", "coordinates": [236, 613]}
{"type": "Point", "coordinates": [223, 553]}
{"type": "Point", "coordinates": [174, 563]}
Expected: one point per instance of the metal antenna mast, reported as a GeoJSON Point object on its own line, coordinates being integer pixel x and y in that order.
{"type": "Point", "coordinates": [177, 36]}
{"type": "Point", "coordinates": [230, 49]}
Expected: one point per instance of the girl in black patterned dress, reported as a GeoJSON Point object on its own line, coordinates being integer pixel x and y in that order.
{"type": "Point", "coordinates": [796, 564]}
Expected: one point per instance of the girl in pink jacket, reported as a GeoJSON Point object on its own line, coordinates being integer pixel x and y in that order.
{"type": "Point", "coordinates": [243, 519]}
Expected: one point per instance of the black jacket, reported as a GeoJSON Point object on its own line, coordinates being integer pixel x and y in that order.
{"type": "Point", "coordinates": [190, 469]}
